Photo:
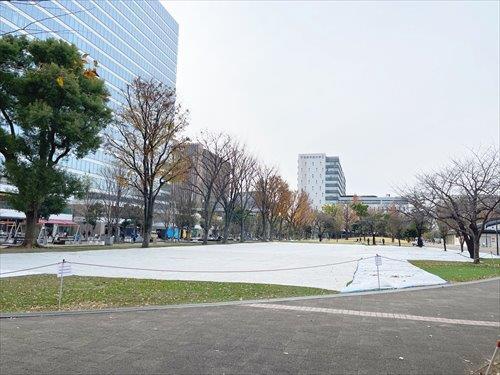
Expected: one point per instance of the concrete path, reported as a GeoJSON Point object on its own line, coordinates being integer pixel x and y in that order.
{"type": "Point", "coordinates": [238, 263]}
{"type": "Point", "coordinates": [289, 337]}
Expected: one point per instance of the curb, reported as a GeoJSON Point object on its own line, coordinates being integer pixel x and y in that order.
{"type": "Point", "coordinates": [117, 310]}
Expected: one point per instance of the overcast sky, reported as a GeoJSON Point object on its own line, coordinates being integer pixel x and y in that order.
{"type": "Point", "coordinates": [393, 88]}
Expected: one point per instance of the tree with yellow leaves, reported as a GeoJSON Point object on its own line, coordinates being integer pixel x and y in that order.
{"type": "Point", "coordinates": [149, 141]}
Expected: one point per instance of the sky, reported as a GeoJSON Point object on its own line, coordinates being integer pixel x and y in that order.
{"type": "Point", "coordinates": [392, 88]}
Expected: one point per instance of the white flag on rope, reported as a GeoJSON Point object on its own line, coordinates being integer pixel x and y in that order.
{"type": "Point", "coordinates": [64, 269]}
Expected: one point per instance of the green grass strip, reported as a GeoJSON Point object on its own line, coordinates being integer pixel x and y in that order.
{"type": "Point", "coordinates": [40, 292]}
{"type": "Point", "coordinates": [461, 271]}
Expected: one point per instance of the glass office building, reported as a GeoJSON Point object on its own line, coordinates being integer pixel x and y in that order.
{"type": "Point", "coordinates": [127, 38]}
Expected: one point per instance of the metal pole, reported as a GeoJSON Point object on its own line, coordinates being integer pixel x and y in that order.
{"type": "Point", "coordinates": [378, 277]}
{"type": "Point", "coordinates": [496, 230]}
{"type": "Point", "coordinates": [61, 284]}
{"type": "Point", "coordinates": [378, 274]}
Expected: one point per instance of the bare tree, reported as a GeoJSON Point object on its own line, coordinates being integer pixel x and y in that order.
{"type": "Point", "coordinates": [443, 229]}
{"type": "Point", "coordinates": [229, 185]}
{"type": "Point", "coordinates": [149, 141]}
{"type": "Point", "coordinates": [246, 201]}
{"type": "Point", "coordinates": [463, 195]}
{"type": "Point", "coordinates": [113, 187]}
{"type": "Point", "coordinates": [88, 207]}
{"type": "Point", "coordinates": [209, 159]}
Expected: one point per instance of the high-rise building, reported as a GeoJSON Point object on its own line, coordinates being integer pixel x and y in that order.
{"type": "Point", "coordinates": [127, 39]}
{"type": "Point", "coordinates": [321, 177]}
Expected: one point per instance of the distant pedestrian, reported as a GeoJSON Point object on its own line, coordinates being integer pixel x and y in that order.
{"type": "Point", "coordinates": [383, 241]}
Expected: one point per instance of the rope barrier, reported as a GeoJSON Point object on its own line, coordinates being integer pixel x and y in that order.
{"type": "Point", "coordinates": [29, 269]}
{"type": "Point", "coordinates": [216, 271]}
{"type": "Point", "coordinates": [397, 260]}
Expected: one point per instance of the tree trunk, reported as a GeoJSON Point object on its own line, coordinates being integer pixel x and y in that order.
{"type": "Point", "coordinates": [148, 227]}
{"type": "Point", "coordinates": [399, 241]}
{"type": "Point", "coordinates": [373, 238]}
{"type": "Point", "coordinates": [264, 229]}
{"type": "Point", "coordinates": [208, 222]}
{"type": "Point", "coordinates": [470, 246]}
{"type": "Point", "coordinates": [148, 218]}
{"type": "Point", "coordinates": [242, 229]}
{"type": "Point", "coordinates": [30, 238]}
{"type": "Point", "coordinates": [476, 250]}
{"type": "Point", "coordinates": [444, 242]}
{"type": "Point", "coordinates": [205, 236]}
{"type": "Point", "coordinates": [225, 233]}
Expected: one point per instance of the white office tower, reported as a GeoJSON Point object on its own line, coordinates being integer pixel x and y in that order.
{"type": "Point", "coordinates": [322, 178]}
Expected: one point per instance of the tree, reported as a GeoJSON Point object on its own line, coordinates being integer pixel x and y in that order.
{"type": "Point", "coordinates": [300, 212]}
{"type": "Point", "coordinates": [278, 200]}
{"type": "Point", "coordinates": [52, 108]}
{"type": "Point", "coordinates": [373, 222]}
{"type": "Point", "coordinates": [231, 185]}
{"type": "Point", "coordinates": [443, 229]}
{"type": "Point", "coordinates": [349, 217]}
{"type": "Point", "coordinates": [280, 204]}
{"type": "Point", "coordinates": [418, 220]}
{"type": "Point", "coordinates": [209, 163]}
{"type": "Point", "coordinates": [334, 211]}
{"type": "Point", "coordinates": [361, 211]}
{"type": "Point", "coordinates": [264, 188]}
{"type": "Point", "coordinates": [396, 223]}
{"type": "Point", "coordinates": [463, 195]}
{"type": "Point", "coordinates": [322, 221]}
{"type": "Point", "coordinates": [150, 141]}
{"type": "Point", "coordinates": [114, 187]}
{"type": "Point", "coordinates": [246, 201]}
{"type": "Point", "coordinates": [88, 207]}
{"type": "Point", "coordinates": [183, 206]}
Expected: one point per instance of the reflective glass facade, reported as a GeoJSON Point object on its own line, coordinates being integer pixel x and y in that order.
{"type": "Point", "coordinates": [127, 38]}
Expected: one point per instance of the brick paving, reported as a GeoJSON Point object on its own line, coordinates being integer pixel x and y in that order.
{"type": "Point", "coordinates": [250, 340]}
{"type": "Point", "coordinates": [376, 314]}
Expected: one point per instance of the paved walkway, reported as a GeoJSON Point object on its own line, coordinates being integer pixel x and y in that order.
{"type": "Point", "coordinates": [295, 337]}
{"type": "Point", "coordinates": [377, 314]}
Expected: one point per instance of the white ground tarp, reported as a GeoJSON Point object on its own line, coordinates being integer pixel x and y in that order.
{"type": "Point", "coordinates": [267, 258]}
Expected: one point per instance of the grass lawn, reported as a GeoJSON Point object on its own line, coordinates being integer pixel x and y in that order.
{"type": "Point", "coordinates": [116, 246]}
{"type": "Point", "coordinates": [461, 271]}
{"type": "Point", "coordinates": [352, 241]}
{"type": "Point", "coordinates": [40, 292]}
